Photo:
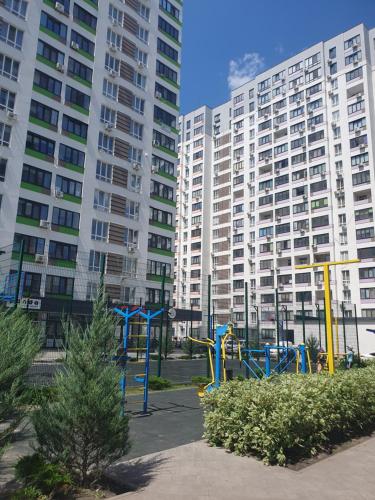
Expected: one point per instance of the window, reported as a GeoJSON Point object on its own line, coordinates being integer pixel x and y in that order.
{"type": "Point", "coordinates": [7, 100]}
{"type": "Point", "coordinates": [355, 57]}
{"type": "Point", "coordinates": [59, 285]}
{"type": "Point", "coordinates": [356, 107]}
{"type": "Point", "coordinates": [284, 195]}
{"type": "Point", "coordinates": [96, 260]}
{"type": "Point", "coordinates": [162, 92]}
{"type": "Point", "coordinates": [53, 25]}
{"type": "Point", "coordinates": [41, 144]}
{"type": "Point", "coordinates": [74, 126]}
{"type": "Point", "coordinates": [32, 245]}
{"type": "Point", "coordinates": [160, 139]}
{"type": "Point", "coordinates": [107, 115]}
{"type": "Point", "coordinates": [300, 208]}
{"type": "Point", "coordinates": [62, 251]}
{"type": "Point", "coordinates": [32, 209]}
{"type": "Point", "coordinates": [99, 230]}
{"type": "Point", "coordinates": [301, 242]}
{"type": "Point", "coordinates": [320, 221]}
{"type": "Point", "coordinates": [359, 159]}
{"type": "Point", "coordinates": [316, 153]}
{"type": "Point", "coordinates": [83, 43]}
{"type": "Point", "coordinates": [69, 186]}
{"type": "Point", "coordinates": [167, 50]}
{"type": "Point", "coordinates": [46, 51]}
{"type": "Point", "coordinates": [363, 214]}
{"type": "Point", "coordinates": [76, 98]}
{"type": "Point", "coordinates": [106, 143]}
{"type": "Point", "coordinates": [299, 175]}
{"type": "Point", "coordinates": [313, 75]}
{"type": "Point", "coordinates": [365, 233]}
{"type": "Point", "coordinates": [351, 42]}
{"type": "Point", "coordinates": [163, 117]}
{"type": "Point", "coordinates": [47, 83]}
{"type": "Point", "coordinates": [161, 190]}
{"type": "Point", "coordinates": [66, 218]}
{"type": "Point", "coordinates": [36, 176]}
{"type": "Point", "coordinates": [367, 273]}
{"type": "Point", "coordinates": [9, 67]}
{"type": "Point", "coordinates": [11, 35]}
{"type": "Point", "coordinates": [44, 113]}
{"type": "Point", "coordinates": [321, 239]}
{"type": "Point", "coordinates": [282, 228]}
{"type": "Point", "coordinates": [104, 171]}
{"type": "Point", "coordinates": [318, 186]}
{"type": "Point", "coordinates": [358, 141]}
{"type": "Point", "coordinates": [71, 156]}
{"type": "Point", "coordinates": [17, 7]}
{"type": "Point", "coordinates": [81, 15]}
{"type": "Point", "coordinates": [164, 71]}
{"type": "Point", "coordinates": [355, 73]}
{"type": "Point", "coordinates": [158, 241]}
{"type": "Point", "coordinates": [102, 200]}
{"type": "Point", "coordinates": [79, 71]}
{"type": "Point", "coordinates": [367, 293]}
{"type": "Point", "coordinates": [294, 113]}
{"type": "Point", "coordinates": [168, 29]}
{"type": "Point", "coordinates": [3, 166]}
{"type": "Point", "coordinates": [110, 90]}
{"type": "Point", "coordinates": [321, 203]}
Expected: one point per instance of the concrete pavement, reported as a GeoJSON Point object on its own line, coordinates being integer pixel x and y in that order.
{"type": "Point", "coordinates": [196, 471]}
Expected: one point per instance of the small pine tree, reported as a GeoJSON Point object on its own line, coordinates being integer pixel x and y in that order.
{"type": "Point", "coordinates": [312, 344]}
{"type": "Point", "coordinates": [19, 344]}
{"type": "Point", "coordinates": [82, 429]}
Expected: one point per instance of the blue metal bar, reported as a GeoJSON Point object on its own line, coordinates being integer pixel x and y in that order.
{"type": "Point", "coordinates": [267, 353]}
{"type": "Point", "coordinates": [302, 350]}
{"type": "Point", "coordinates": [147, 363]}
{"type": "Point", "coordinates": [288, 350]}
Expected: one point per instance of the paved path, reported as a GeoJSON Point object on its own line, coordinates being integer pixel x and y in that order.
{"type": "Point", "coordinates": [196, 471]}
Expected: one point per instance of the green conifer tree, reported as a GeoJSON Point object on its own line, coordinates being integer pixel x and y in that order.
{"type": "Point", "coordinates": [82, 429]}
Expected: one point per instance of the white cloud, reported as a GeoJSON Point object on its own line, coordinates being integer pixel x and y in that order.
{"type": "Point", "coordinates": [244, 68]}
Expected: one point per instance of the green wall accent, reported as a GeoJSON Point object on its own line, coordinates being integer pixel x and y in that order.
{"type": "Point", "coordinates": [86, 27]}
{"type": "Point", "coordinates": [42, 123]}
{"type": "Point", "coordinates": [81, 80]}
{"type": "Point", "coordinates": [92, 4]}
{"type": "Point", "coordinates": [37, 154]}
{"type": "Point", "coordinates": [76, 138]}
{"type": "Point", "coordinates": [169, 59]}
{"type": "Point", "coordinates": [162, 226]}
{"type": "Point", "coordinates": [163, 200]}
{"type": "Point", "coordinates": [167, 151]}
{"type": "Point", "coordinates": [170, 104]}
{"type": "Point", "coordinates": [66, 230]}
{"type": "Point", "coordinates": [159, 251]}
{"type": "Point", "coordinates": [62, 263]}
{"type": "Point", "coordinates": [170, 38]}
{"type": "Point", "coordinates": [166, 175]}
{"type": "Point", "coordinates": [77, 108]}
{"type": "Point", "coordinates": [159, 279]}
{"type": "Point", "coordinates": [34, 187]}
{"type": "Point", "coordinates": [28, 221]}
{"type": "Point", "coordinates": [59, 296]}
{"type": "Point", "coordinates": [73, 199]}
{"type": "Point", "coordinates": [85, 54]}
{"type": "Point", "coordinates": [45, 92]}
{"type": "Point", "coordinates": [74, 168]}
{"type": "Point", "coordinates": [52, 34]}
{"type": "Point", "coordinates": [171, 17]}
{"type": "Point", "coordinates": [46, 61]}
{"type": "Point", "coordinates": [26, 257]}
{"type": "Point", "coordinates": [171, 82]}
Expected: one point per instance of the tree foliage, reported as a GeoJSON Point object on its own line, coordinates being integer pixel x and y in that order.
{"type": "Point", "coordinates": [82, 428]}
{"type": "Point", "coordinates": [19, 344]}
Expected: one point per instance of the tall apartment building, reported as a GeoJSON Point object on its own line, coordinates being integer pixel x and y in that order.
{"type": "Point", "coordinates": [89, 99]}
{"type": "Point", "coordinates": [283, 175]}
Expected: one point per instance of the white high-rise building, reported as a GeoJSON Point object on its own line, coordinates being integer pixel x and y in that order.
{"type": "Point", "coordinates": [283, 175]}
{"type": "Point", "coordinates": [89, 101]}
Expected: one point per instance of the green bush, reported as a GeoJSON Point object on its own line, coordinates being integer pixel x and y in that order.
{"type": "Point", "coordinates": [199, 379]}
{"type": "Point", "coordinates": [285, 418]}
{"type": "Point", "coordinates": [28, 493]}
{"type": "Point", "coordinates": [41, 477]}
{"type": "Point", "coordinates": [158, 383]}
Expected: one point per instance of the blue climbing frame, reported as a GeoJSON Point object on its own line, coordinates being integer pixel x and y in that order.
{"type": "Point", "coordinates": [287, 355]}
{"type": "Point", "coordinates": [147, 315]}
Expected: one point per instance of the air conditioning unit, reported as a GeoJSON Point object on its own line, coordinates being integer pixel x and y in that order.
{"type": "Point", "coordinates": [296, 88]}
{"type": "Point", "coordinates": [278, 219]}
{"type": "Point", "coordinates": [343, 227]}
{"type": "Point", "coordinates": [329, 77]}
{"type": "Point", "coordinates": [112, 73]}
{"type": "Point", "coordinates": [304, 196]}
{"type": "Point", "coordinates": [329, 61]}
{"type": "Point", "coordinates": [59, 193]}
{"type": "Point", "coordinates": [108, 126]}
{"type": "Point", "coordinates": [114, 22]}
{"type": "Point", "coordinates": [158, 95]}
{"type": "Point", "coordinates": [277, 172]}
{"type": "Point", "coordinates": [112, 47]}
{"type": "Point", "coordinates": [279, 253]}
{"type": "Point", "coordinates": [74, 45]}
{"type": "Point", "coordinates": [281, 286]}
{"type": "Point", "coordinates": [59, 7]}
{"type": "Point", "coordinates": [60, 67]}
{"type": "Point", "coordinates": [135, 165]}
{"type": "Point", "coordinates": [39, 258]}
{"type": "Point", "coordinates": [131, 249]}
{"type": "Point", "coordinates": [45, 224]}
{"type": "Point", "coordinates": [154, 169]}
{"type": "Point", "coordinates": [314, 248]}
{"type": "Point", "coordinates": [339, 175]}
{"type": "Point", "coordinates": [267, 190]}
{"type": "Point", "coordinates": [11, 115]}
{"type": "Point", "coordinates": [277, 269]}
{"type": "Point", "coordinates": [301, 232]}
{"type": "Point", "coordinates": [269, 237]}
{"type": "Point", "coordinates": [276, 111]}
{"type": "Point", "coordinates": [155, 143]}
{"type": "Point", "coordinates": [141, 65]}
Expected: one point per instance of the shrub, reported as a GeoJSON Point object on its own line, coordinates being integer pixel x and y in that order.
{"type": "Point", "coordinates": [158, 383]}
{"type": "Point", "coordinates": [312, 344]}
{"type": "Point", "coordinates": [83, 428]}
{"type": "Point", "coordinates": [20, 342]}
{"type": "Point", "coordinates": [287, 417]}
{"type": "Point", "coordinates": [199, 380]}
{"type": "Point", "coordinates": [28, 493]}
{"type": "Point", "coordinates": [46, 478]}
{"type": "Point", "coordinates": [191, 348]}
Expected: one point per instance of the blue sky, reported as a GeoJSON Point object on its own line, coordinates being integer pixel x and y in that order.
{"type": "Point", "coordinates": [254, 34]}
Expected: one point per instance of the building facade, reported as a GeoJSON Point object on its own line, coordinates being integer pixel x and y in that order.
{"type": "Point", "coordinates": [88, 120]}
{"type": "Point", "coordinates": [289, 167]}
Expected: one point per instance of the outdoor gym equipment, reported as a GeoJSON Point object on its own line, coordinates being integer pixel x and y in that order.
{"type": "Point", "coordinates": [286, 356]}
{"type": "Point", "coordinates": [8, 291]}
{"type": "Point", "coordinates": [327, 304]}
{"type": "Point", "coordinates": [142, 378]}
{"type": "Point", "coordinates": [216, 350]}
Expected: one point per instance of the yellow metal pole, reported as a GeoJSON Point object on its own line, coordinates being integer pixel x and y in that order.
{"type": "Point", "coordinates": [327, 295]}
{"type": "Point", "coordinates": [337, 337]}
